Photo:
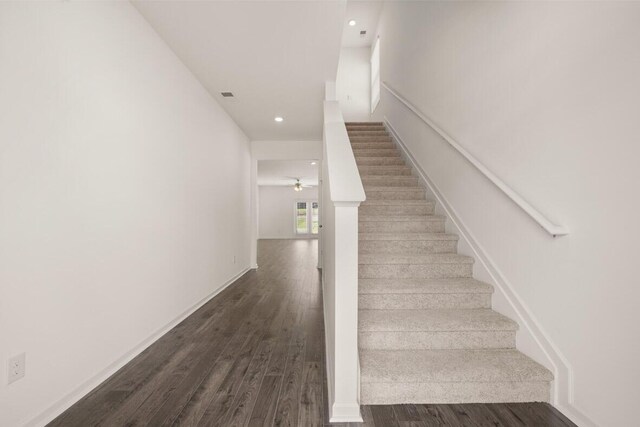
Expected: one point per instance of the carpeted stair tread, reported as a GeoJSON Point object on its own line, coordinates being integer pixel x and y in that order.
{"type": "Point", "coordinates": [397, 202]}
{"type": "Point", "coordinates": [400, 218]}
{"type": "Point", "coordinates": [413, 259]}
{"type": "Point", "coordinates": [424, 366]}
{"type": "Point", "coordinates": [390, 189]}
{"type": "Point", "coordinates": [406, 236]}
{"type": "Point", "coordinates": [434, 320]}
{"type": "Point", "coordinates": [423, 286]}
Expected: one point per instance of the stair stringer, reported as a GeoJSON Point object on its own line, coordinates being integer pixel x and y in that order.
{"type": "Point", "coordinates": [531, 338]}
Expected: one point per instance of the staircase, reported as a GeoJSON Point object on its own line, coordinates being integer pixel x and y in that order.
{"type": "Point", "coordinates": [427, 333]}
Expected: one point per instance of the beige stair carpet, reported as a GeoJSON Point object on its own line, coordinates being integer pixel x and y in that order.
{"type": "Point", "coordinates": [427, 333]}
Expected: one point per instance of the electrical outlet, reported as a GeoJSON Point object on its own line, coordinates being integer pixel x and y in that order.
{"type": "Point", "coordinates": [17, 367]}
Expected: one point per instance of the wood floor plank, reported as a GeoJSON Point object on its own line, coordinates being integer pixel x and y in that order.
{"type": "Point", "coordinates": [406, 413]}
{"type": "Point", "coordinates": [506, 416]}
{"type": "Point", "coordinates": [384, 415]}
{"type": "Point", "coordinates": [131, 405]}
{"type": "Point", "coordinates": [247, 394]}
{"type": "Point", "coordinates": [462, 414]}
{"type": "Point", "coordinates": [288, 401]}
{"type": "Point", "coordinates": [533, 415]}
{"type": "Point", "coordinates": [255, 355]}
{"type": "Point", "coordinates": [481, 415]}
{"type": "Point", "coordinates": [438, 415]}
{"type": "Point", "coordinates": [264, 410]}
{"type": "Point", "coordinates": [221, 403]}
{"type": "Point", "coordinates": [206, 392]}
{"type": "Point", "coordinates": [310, 411]}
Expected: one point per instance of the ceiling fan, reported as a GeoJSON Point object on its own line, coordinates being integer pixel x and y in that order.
{"type": "Point", "coordinates": [298, 186]}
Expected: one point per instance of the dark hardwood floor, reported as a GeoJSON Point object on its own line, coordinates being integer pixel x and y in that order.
{"type": "Point", "coordinates": [254, 355]}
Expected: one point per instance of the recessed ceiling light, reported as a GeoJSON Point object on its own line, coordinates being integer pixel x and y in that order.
{"type": "Point", "coordinates": [279, 119]}
{"type": "Point", "coordinates": [314, 163]}
{"type": "Point", "coordinates": [352, 23]}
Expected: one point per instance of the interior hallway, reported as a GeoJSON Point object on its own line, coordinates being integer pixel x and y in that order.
{"type": "Point", "coordinates": [254, 355]}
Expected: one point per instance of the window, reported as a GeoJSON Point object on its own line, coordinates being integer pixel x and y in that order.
{"type": "Point", "coordinates": [314, 217]}
{"type": "Point", "coordinates": [375, 75]}
{"type": "Point", "coordinates": [306, 217]}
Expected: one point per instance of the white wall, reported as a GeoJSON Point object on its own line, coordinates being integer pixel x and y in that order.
{"type": "Point", "coordinates": [286, 150]}
{"type": "Point", "coordinates": [353, 83]}
{"type": "Point", "coordinates": [276, 210]}
{"type": "Point", "coordinates": [124, 195]}
{"type": "Point", "coordinates": [546, 95]}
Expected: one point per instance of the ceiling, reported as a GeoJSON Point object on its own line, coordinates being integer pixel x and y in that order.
{"type": "Point", "coordinates": [366, 14]}
{"type": "Point", "coordinates": [275, 56]}
{"type": "Point", "coordinates": [285, 172]}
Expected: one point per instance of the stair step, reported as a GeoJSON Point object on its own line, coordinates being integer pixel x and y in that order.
{"type": "Point", "coordinates": [390, 181]}
{"type": "Point", "coordinates": [414, 294]}
{"type": "Point", "coordinates": [395, 193]}
{"type": "Point", "coordinates": [364, 124]}
{"type": "Point", "coordinates": [384, 170]}
{"type": "Point", "coordinates": [428, 259]}
{"type": "Point", "coordinates": [401, 224]}
{"type": "Point", "coordinates": [392, 202]}
{"type": "Point", "coordinates": [422, 286]}
{"type": "Point", "coordinates": [426, 208]}
{"type": "Point", "coordinates": [451, 376]}
{"type": "Point", "coordinates": [380, 161]}
{"type": "Point", "coordinates": [366, 236]}
{"type": "Point", "coordinates": [435, 320]}
{"type": "Point", "coordinates": [428, 266]}
{"type": "Point", "coordinates": [369, 244]}
{"type": "Point", "coordinates": [372, 144]}
{"type": "Point", "coordinates": [366, 132]}
{"type": "Point", "coordinates": [365, 128]}
{"type": "Point", "coordinates": [370, 138]}
{"type": "Point", "coordinates": [376, 152]}
{"type": "Point", "coordinates": [435, 329]}
{"type": "Point", "coordinates": [365, 217]}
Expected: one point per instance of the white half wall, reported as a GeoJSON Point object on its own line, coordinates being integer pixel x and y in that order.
{"type": "Point", "coordinates": [124, 197]}
{"type": "Point", "coordinates": [353, 83]}
{"type": "Point", "coordinates": [546, 95]}
{"type": "Point", "coordinates": [277, 210]}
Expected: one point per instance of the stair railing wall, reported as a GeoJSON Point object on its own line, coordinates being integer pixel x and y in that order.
{"type": "Point", "coordinates": [553, 229]}
{"type": "Point", "coordinates": [342, 193]}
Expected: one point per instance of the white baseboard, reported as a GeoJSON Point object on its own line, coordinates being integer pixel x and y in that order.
{"type": "Point", "coordinates": [327, 357]}
{"type": "Point", "coordinates": [75, 395]}
{"type": "Point", "coordinates": [306, 237]}
{"type": "Point", "coordinates": [563, 372]}
{"type": "Point", "coordinates": [345, 414]}
{"type": "Point", "coordinates": [570, 411]}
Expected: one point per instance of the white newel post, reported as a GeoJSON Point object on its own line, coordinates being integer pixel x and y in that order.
{"type": "Point", "coordinates": [347, 379]}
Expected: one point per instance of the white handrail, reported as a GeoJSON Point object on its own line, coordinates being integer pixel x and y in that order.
{"type": "Point", "coordinates": [343, 171]}
{"type": "Point", "coordinates": [551, 228]}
